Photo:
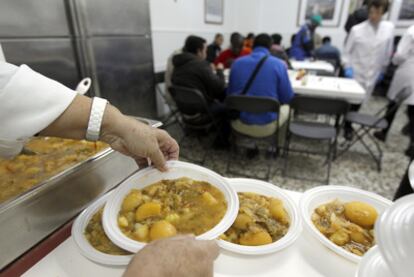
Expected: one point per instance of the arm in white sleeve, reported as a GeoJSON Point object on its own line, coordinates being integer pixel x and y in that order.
{"type": "Point", "coordinates": [405, 47]}
{"type": "Point", "coordinates": [29, 101]}
{"type": "Point", "coordinates": [388, 52]}
{"type": "Point", "coordinates": [349, 45]}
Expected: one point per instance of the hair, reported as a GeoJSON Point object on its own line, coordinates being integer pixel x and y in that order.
{"type": "Point", "coordinates": [277, 39]}
{"type": "Point", "coordinates": [326, 39]}
{"type": "Point", "coordinates": [263, 40]}
{"type": "Point", "coordinates": [218, 35]}
{"type": "Point", "coordinates": [236, 39]}
{"type": "Point", "coordinates": [378, 4]}
{"type": "Point", "coordinates": [193, 44]}
{"type": "Point", "coordinates": [250, 36]}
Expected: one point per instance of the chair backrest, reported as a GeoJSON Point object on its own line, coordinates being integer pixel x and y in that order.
{"type": "Point", "coordinates": [402, 95]}
{"type": "Point", "coordinates": [326, 106]}
{"type": "Point", "coordinates": [252, 104]}
{"type": "Point", "coordinates": [189, 100]}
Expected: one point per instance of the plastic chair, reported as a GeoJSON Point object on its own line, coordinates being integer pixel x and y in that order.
{"type": "Point", "coordinates": [367, 122]}
{"type": "Point", "coordinates": [315, 130]}
{"type": "Point", "coordinates": [253, 104]}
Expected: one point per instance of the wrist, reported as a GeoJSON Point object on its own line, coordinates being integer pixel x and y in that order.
{"type": "Point", "coordinates": [111, 124]}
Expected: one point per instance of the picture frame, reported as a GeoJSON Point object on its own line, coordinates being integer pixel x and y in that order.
{"type": "Point", "coordinates": [402, 13]}
{"type": "Point", "coordinates": [214, 11]}
{"type": "Point", "coordinates": [330, 10]}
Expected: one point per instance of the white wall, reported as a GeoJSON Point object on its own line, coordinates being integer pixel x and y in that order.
{"type": "Point", "coordinates": [173, 20]}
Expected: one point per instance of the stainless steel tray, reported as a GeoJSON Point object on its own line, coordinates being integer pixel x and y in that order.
{"type": "Point", "coordinates": [26, 220]}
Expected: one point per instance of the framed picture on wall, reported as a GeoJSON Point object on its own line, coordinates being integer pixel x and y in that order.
{"type": "Point", "coordinates": [214, 11]}
{"type": "Point", "coordinates": [330, 10]}
{"type": "Point", "coordinates": [402, 13]}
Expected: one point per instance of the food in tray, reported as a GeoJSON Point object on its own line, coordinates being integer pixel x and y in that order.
{"type": "Point", "coordinates": [261, 220]}
{"type": "Point", "coordinates": [170, 207]}
{"type": "Point", "coordinates": [96, 236]}
{"type": "Point", "coordinates": [349, 225]}
{"type": "Point", "coordinates": [52, 155]}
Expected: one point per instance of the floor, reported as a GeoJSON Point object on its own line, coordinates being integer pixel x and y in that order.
{"type": "Point", "coordinates": [355, 168]}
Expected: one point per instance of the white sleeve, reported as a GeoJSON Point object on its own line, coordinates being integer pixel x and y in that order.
{"type": "Point", "coordinates": [29, 101]}
{"type": "Point", "coordinates": [388, 51]}
{"type": "Point", "coordinates": [404, 47]}
{"type": "Point", "coordinates": [349, 45]}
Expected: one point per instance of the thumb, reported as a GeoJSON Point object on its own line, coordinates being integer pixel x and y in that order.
{"type": "Point", "coordinates": [157, 158]}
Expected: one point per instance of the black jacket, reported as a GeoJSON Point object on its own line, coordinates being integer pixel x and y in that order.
{"type": "Point", "coordinates": [213, 50]}
{"type": "Point", "coordinates": [192, 72]}
{"type": "Point", "coordinates": [355, 18]}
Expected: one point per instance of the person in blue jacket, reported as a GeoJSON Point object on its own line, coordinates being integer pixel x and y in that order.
{"type": "Point", "coordinates": [303, 43]}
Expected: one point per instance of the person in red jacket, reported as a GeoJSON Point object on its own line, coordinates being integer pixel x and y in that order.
{"type": "Point", "coordinates": [235, 51]}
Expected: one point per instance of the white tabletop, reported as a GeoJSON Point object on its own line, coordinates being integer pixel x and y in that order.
{"type": "Point", "coordinates": [313, 66]}
{"type": "Point", "coordinates": [331, 87]}
{"type": "Point", "coordinates": [306, 257]}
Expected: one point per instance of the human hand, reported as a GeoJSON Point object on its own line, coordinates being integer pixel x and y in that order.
{"type": "Point", "coordinates": [177, 256]}
{"type": "Point", "coordinates": [138, 140]}
{"type": "Point", "coordinates": [349, 72]}
{"type": "Point", "coordinates": [220, 66]}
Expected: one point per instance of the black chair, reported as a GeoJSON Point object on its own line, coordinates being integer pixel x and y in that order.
{"type": "Point", "coordinates": [172, 116]}
{"type": "Point", "coordinates": [367, 122]}
{"type": "Point", "coordinates": [322, 131]}
{"type": "Point", "coordinates": [195, 115]}
{"type": "Point", "coordinates": [252, 104]}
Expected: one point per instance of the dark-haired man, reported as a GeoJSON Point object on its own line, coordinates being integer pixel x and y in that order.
{"type": "Point", "coordinates": [214, 49]}
{"type": "Point", "coordinates": [278, 51]}
{"type": "Point", "coordinates": [236, 50]}
{"type": "Point", "coordinates": [328, 52]}
{"type": "Point", "coordinates": [272, 80]}
{"type": "Point", "coordinates": [193, 71]}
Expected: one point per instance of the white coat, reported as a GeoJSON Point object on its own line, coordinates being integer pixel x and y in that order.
{"type": "Point", "coordinates": [368, 51]}
{"type": "Point", "coordinates": [29, 102]}
{"type": "Point", "coordinates": [404, 75]}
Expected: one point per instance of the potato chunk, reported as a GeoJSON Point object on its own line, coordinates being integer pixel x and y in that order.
{"type": "Point", "coordinates": [148, 210]}
{"type": "Point", "coordinates": [361, 213]}
{"type": "Point", "coordinates": [277, 211]}
{"type": "Point", "coordinates": [209, 199]}
{"type": "Point", "coordinates": [131, 201]}
{"type": "Point", "coordinates": [242, 221]}
{"type": "Point", "coordinates": [254, 239]}
{"type": "Point", "coordinates": [162, 229]}
{"type": "Point", "coordinates": [340, 237]}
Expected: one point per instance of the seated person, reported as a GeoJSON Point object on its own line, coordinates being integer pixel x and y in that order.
{"type": "Point", "coordinates": [272, 80]}
{"type": "Point", "coordinates": [191, 70]}
{"type": "Point", "coordinates": [278, 51]}
{"type": "Point", "coordinates": [214, 49]}
{"type": "Point", "coordinates": [248, 41]}
{"type": "Point", "coordinates": [235, 51]}
{"type": "Point", "coordinates": [328, 52]}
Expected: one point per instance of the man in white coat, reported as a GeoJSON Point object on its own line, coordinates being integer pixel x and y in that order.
{"type": "Point", "coordinates": [403, 79]}
{"type": "Point", "coordinates": [368, 50]}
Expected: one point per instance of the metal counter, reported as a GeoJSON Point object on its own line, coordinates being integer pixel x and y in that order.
{"type": "Point", "coordinates": [28, 219]}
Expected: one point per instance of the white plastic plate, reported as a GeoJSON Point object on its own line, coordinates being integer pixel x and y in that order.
{"type": "Point", "coordinates": [266, 189]}
{"type": "Point", "coordinates": [312, 198]}
{"type": "Point", "coordinates": [83, 244]}
{"type": "Point", "coordinates": [148, 176]}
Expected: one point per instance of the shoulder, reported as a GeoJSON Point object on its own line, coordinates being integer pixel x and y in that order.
{"type": "Point", "coordinates": [277, 63]}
